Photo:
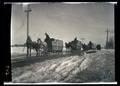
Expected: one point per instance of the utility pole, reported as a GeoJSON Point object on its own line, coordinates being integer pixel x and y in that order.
{"type": "Point", "coordinates": [107, 38]}
{"type": "Point", "coordinates": [27, 12]}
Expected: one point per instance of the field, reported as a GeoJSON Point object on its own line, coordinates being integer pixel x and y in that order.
{"type": "Point", "coordinates": [91, 67]}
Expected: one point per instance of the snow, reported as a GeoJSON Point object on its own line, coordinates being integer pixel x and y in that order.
{"type": "Point", "coordinates": [99, 66]}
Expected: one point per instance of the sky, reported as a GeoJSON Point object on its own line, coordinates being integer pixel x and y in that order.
{"type": "Point", "coordinates": [63, 21]}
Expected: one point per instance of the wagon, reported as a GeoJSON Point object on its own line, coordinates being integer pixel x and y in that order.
{"type": "Point", "coordinates": [57, 45]}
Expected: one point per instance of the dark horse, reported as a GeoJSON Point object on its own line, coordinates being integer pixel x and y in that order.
{"type": "Point", "coordinates": [68, 46]}
{"type": "Point", "coordinates": [72, 45]}
{"type": "Point", "coordinates": [37, 46]}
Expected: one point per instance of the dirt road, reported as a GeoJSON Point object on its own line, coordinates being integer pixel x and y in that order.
{"type": "Point", "coordinates": [93, 67]}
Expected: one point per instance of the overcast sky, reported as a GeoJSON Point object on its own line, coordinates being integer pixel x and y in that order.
{"type": "Point", "coordinates": [63, 21]}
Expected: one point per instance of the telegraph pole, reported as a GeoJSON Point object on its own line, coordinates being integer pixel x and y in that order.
{"type": "Point", "coordinates": [107, 39]}
{"type": "Point", "coordinates": [27, 12]}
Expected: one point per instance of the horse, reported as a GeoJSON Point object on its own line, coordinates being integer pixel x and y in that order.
{"type": "Point", "coordinates": [74, 45]}
{"type": "Point", "coordinates": [38, 46]}
{"type": "Point", "coordinates": [85, 47]}
{"type": "Point", "coordinates": [28, 44]}
{"type": "Point", "coordinates": [67, 46]}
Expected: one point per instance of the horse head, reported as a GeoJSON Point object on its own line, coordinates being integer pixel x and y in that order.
{"type": "Point", "coordinates": [39, 41]}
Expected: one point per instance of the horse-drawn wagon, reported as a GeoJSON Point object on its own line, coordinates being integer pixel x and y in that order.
{"type": "Point", "coordinates": [57, 45]}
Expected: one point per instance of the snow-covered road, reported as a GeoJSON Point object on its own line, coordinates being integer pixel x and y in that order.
{"type": "Point", "coordinates": [99, 66]}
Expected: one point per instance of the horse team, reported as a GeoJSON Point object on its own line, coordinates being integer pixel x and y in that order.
{"type": "Point", "coordinates": [56, 45]}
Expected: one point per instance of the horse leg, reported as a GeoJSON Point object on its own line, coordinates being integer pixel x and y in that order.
{"type": "Point", "coordinates": [27, 52]}
{"type": "Point", "coordinates": [40, 52]}
{"type": "Point", "coordinates": [36, 53]}
{"type": "Point", "coordinates": [30, 52]}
